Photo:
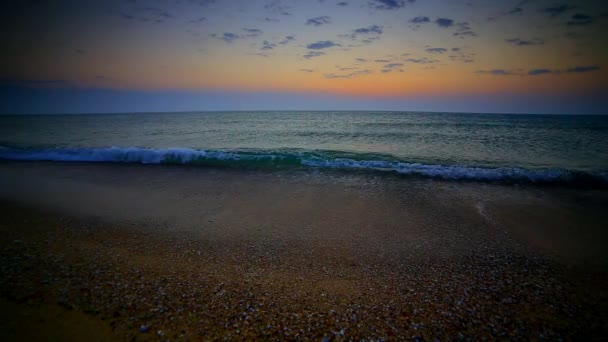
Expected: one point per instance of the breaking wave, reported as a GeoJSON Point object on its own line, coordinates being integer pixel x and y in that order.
{"type": "Point", "coordinates": [300, 158]}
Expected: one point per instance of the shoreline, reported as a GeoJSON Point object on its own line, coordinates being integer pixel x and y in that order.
{"type": "Point", "coordinates": [210, 253]}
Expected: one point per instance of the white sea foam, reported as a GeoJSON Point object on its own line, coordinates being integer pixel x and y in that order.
{"type": "Point", "coordinates": [311, 159]}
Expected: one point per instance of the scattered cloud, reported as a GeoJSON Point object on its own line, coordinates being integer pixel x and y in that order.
{"type": "Point", "coordinates": [197, 20]}
{"type": "Point", "coordinates": [580, 69]}
{"type": "Point", "coordinates": [365, 35]}
{"type": "Point", "coordinates": [322, 44]}
{"type": "Point", "coordinates": [382, 60]}
{"type": "Point", "coordinates": [313, 54]}
{"type": "Point", "coordinates": [461, 55]}
{"type": "Point", "coordinates": [349, 75]}
{"type": "Point", "coordinates": [373, 29]}
{"type": "Point", "coordinates": [318, 21]}
{"type": "Point", "coordinates": [540, 71]}
{"type": "Point", "coordinates": [435, 50]}
{"type": "Point", "coordinates": [535, 72]}
{"type": "Point", "coordinates": [287, 39]}
{"type": "Point", "coordinates": [147, 14]}
{"type": "Point", "coordinates": [523, 42]}
{"type": "Point", "coordinates": [202, 2]}
{"type": "Point", "coordinates": [277, 7]}
{"type": "Point", "coordinates": [423, 60]}
{"type": "Point", "coordinates": [362, 60]}
{"type": "Point", "coordinates": [516, 10]}
{"type": "Point", "coordinates": [252, 32]}
{"type": "Point", "coordinates": [392, 67]}
{"type": "Point", "coordinates": [463, 34]}
{"type": "Point", "coordinates": [420, 20]}
{"type": "Point", "coordinates": [463, 29]}
{"type": "Point", "coordinates": [307, 70]}
{"type": "Point", "coordinates": [580, 19]}
{"type": "Point", "coordinates": [557, 10]}
{"type": "Point", "coordinates": [388, 4]}
{"type": "Point", "coordinates": [444, 22]}
{"type": "Point", "coordinates": [228, 37]}
{"type": "Point", "coordinates": [266, 45]}
{"type": "Point", "coordinates": [498, 72]}
{"type": "Point", "coordinates": [342, 3]}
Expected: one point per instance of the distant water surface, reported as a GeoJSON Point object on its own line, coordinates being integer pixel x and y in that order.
{"type": "Point", "coordinates": [446, 145]}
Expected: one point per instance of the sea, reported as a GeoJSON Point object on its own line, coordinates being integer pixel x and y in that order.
{"type": "Point", "coordinates": [508, 148]}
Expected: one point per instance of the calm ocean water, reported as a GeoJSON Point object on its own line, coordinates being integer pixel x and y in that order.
{"type": "Point", "coordinates": [445, 145]}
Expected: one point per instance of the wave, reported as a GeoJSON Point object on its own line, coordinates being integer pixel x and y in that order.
{"type": "Point", "coordinates": [300, 158]}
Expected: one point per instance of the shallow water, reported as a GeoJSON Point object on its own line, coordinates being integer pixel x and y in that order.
{"type": "Point", "coordinates": [446, 145]}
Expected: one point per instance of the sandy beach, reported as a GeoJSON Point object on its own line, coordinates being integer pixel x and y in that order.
{"type": "Point", "coordinates": [136, 252]}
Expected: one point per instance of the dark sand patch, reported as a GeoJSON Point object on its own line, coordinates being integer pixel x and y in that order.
{"type": "Point", "coordinates": [241, 254]}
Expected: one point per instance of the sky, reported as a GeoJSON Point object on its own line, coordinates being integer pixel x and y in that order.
{"type": "Point", "coordinates": [534, 56]}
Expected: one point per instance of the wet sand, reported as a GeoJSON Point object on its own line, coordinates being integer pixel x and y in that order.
{"type": "Point", "coordinates": [158, 252]}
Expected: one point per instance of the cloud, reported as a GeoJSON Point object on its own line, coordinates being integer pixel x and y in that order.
{"type": "Point", "coordinates": [420, 20]}
{"type": "Point", "coordinates": [535, 72]}
{"type": "Point", "coordinates": [522, 42]}
{"type": "Point", "coordinates": [392, 67]}
{"type": "Point", "coordinates": [580, 69]}
{"type": "Point", "coordinates": [307, 70]}
{"type": "Point", "coordinates": [342, 3]}
{"type": "Point", "coordinates": [147, 14]}
{"type": "Point", "coordinates": [580, 19]}
{"type": "Point", "coordinates": [388, 4]}
{"type": "Point", "coordinates": [373, 29]}
{"type": "Point", "coordinates": [516, 10]}
{"type": "Point", "coordinates": [287, 40]}
{"type": "Point", "coordinates": [228, 37]}
{"type": "Point", "coordinates": [436, 50]}
{"type": "Point", "coordinates": [267, 45]}
{"type": "Point", "coordinates": [318, 21]}
{"type": "Point", "coordinates": [349, 75]}
{"type": "Point", "coordinates": [276, 7]}
{"type": "Point", "coordinates": [463, 34]}
{"type": "Point", "coordinates": [252, 32]}
{"type": "Point", "coordinates": [365, 35]}
{"type": "Point", "coordinates": [313, 54]}
{"type": "Point", "coordinates": [498, 72]}
{"type": "Point", "coordinates": [202, 2]}
{"type": "Point", "coordinates": [362, 60]}
{"type": "Point", "coordinates": [423, 60]}
{"type": "Point", "coordinates": [557, 10]}
{"type": "Point", "coordinates": [382, 60]}
{"type": "Point", "coordinates": [540, 71]}
{"type": "Point", "coordinates": [444, 22]}
{"type": "Point", "coordinates": [463, 29]}
{"type": "Point", "coordinates": [197, 20]}
{"type": "Point", "coordinates": [460, 55]}
{"type": "Point", "coordinates": [322, 44]}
